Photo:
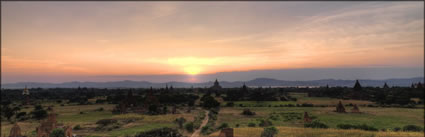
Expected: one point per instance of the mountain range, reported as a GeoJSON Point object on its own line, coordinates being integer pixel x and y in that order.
{"type": "Point", "coordinates": [264, 82]}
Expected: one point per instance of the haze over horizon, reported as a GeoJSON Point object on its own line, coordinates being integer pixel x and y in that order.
{"type": "Point", "coordinates": [201, 41]}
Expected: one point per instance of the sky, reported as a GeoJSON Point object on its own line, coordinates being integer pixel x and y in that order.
{"type": "Point", "coordinates": [157, 41]}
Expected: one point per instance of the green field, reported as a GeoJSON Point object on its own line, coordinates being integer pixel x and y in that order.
{"type": "Point", "coordinates": [381, 118]}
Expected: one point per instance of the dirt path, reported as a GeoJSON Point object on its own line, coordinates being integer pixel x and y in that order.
{"type": "Point", "coordinates": [204, 122]}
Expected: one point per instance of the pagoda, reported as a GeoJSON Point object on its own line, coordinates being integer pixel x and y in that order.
{"type": "Point", "coordinates": [340, 108]}
{"type": "Point", "coordinates": [26, 93]}
{"type": "Point", "coordinates": [357, 86]}
{"type": "Point", "coordinates": [216, 85]}
{"type": "Point", "coordinates": [386, 86]}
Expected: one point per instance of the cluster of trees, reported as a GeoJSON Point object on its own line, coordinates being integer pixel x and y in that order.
{"type": "Point", "coordinates": [10, 111]}
{"type": "Point", "coordinates": [394, 95]}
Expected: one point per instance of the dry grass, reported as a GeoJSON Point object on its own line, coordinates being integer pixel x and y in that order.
{"type": "Point", "coordinates": [309, 132]}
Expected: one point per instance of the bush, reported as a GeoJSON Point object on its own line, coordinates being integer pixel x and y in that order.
{"type": "Point", "coordinates": [396, 129]}
{"type": "Point", "coordinates": [189, 126]}
{"type": "Point", "coordinates": [230, 104]}
{"type": "Point", "coordinates": [361, 127]}
{"type": "Point", "coordinates": [269, 132]}
{"type": "Point", "coordinates": [367, 128]}
{"type": "Point", "coordinates": [265, 123]}
{"type": "Point", "coordinates": [251, 124]}
{"type": "Point", "coordinates": [209, 102]}
{"type": "Point", "coordinates": [412, 128]}
{"type": "Point", "coordinates": [21, 115]}
{"type": "Point", "coordinates": [39, 113]}
{"type": "Point", "coordinates": [77, 127]}
{"type": "Point", "coordinates": [316, 124]}
{"type": "Point", "coordinates": [223, 125]}
{"type": "Point", "coordinates": [105, 122]}
{"type": "Point", "coordinates": [162, 132]}
{"type": "Point", "coordinates": [307, 105]}
{"type": "Point", "coordinates": [58, 132]}
{"type": "Point", "coordinates": [180, 121]}
{"type": "Point", "coordinates": [248, 112]}
{"type": "Point", "coordinates": [100, 109]}
{"type": "Point", "coordinates": [205, 129]}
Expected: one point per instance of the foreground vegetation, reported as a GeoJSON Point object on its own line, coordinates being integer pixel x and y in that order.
{"type": "Point", "coordinates": [96, 112]}
{"type": "Point", "coordinates": [309, 132]}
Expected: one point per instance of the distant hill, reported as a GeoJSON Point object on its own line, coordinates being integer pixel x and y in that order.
{"type": "Point", "coordinates": [404, 82]}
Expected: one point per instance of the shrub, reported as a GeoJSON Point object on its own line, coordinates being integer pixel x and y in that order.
{"type": "Point", "coordinates": [248, 112]}
{"type": "Point", "coordinates": [180, 121]}
{"type": "Point", "coordinates": [223, 125]}
{"type": "Point", "coordinates": [396, 129]}
{"type": "Point", "coordinates": [230, 104]}
{"type": "Point", "coordinates": [77, 127]}
{"type": "Point", "coordinates": [58, 132]}
{"type": "Point", "coordinates": [316, 124]}
{"type": "Point", "coordinates": [100, 101]}
{"type": "Point", "coordinates": [162, 132]}
{"type": "Point", "coordinates": [205, 129]}
{"type": "Point", "coordinates": [265, 123]}
{"type": "Point", "coordinates": [307, 105]}
{"type": "Point", "coordinates": [251, 124]}
{"type": "Point", "coordinates": [39, 113]}
{"type": "Point", "coordinates": [237, 125]}
{"type": "Point", "coordinates": [367, 128]}
{"type": "Point", "coordinates": [412, 128]}
{"type": "Point", "coordinates": [21, 115]}
{"type": "Point", "coordinates": [189, 126]}
{"type": "Point", "coordinates": [105, 122]}
{"type": "Point", "coordinates": [269, 132]}
{"type": "Point", "coordinates": [361, 127]}
{"type": "Point", "coordinates": [100, 109]}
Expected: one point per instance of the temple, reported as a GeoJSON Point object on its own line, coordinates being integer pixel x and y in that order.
{"type": "Point", "coordinates": [216, 85]}
{"type": "Point", "coordinates": [26, 93]}
{"type": "Point", "coordinates": [357, 86]}
{"type": "Point", "coordinates": [340, 108]}
{"type": "Point", "coordinates": [386, 86]}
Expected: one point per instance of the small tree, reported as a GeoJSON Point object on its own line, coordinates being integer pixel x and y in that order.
{"type": "Point", "coordinates": [412, 128]}
{"type": "Point", "coordinates": [251, 124]}
{"type": "Point", "coordinates": [58, 132]}
{"type": "Point", "coordinates": [223, 125]}
{"type": "Point", "coordinates": [265, 123]}
{"type": "Point", "coordinates": [77, 127]}
{"type": "Point", "coordinates": [180, 121]}
{"type": "Point", "coordinates": [269, 132]}
{"type": "Point", "coordinates": [248, 112]}
{"type": "Point", "coordinates": [39, 112]}
{"type": "Point", "coordinates": [209, 102]}
{"type": "Point", "coordinates": [189, 126]}
{"type": "Point", "coordinates": [8, 112]}
{"type": "Point", "coordinates": [316, 124]}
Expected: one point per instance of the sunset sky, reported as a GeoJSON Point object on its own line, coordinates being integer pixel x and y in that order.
{"type": "Point", "coordinates": [71, 41]}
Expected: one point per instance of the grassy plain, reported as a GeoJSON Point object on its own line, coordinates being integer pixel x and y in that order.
{"type": "Point", "coordinates": [287, 119]}
{"type": "Point", "coordinates": [309, 132]}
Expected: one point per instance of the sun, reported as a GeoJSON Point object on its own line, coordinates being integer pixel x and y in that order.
{"type": "Point", "coordinates": [192, 70]}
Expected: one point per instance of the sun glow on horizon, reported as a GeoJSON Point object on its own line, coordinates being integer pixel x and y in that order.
{"type": "Point", "coordinates": [192, 70]}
